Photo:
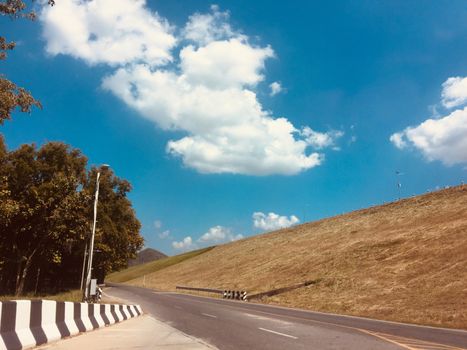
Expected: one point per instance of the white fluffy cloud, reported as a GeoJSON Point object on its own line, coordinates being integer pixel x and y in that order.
{"type": "Point", "coordinates": [275, 87]}
{"type": "Point", "coordinates": [205, 28]}
{"type": "Point", "coordinates": [224, 64]}
{"type": "Point", "coordinates": [454, 92]}
{"type": "Point", "coordinates": [443, 139]}
{"type": "Point", "coordinates": [207, 92]}
{"type": "Point", "coordinates": [185, 244]}
{"type": "Point", "coordinates": [107, 31]}
{"type": "Point", "coordinates": [273, 221]}
{"type": "Point", "coordinates": [398, 139]}
{"type": "Point", "coordinates": [219, 234]}
{"type": "Point", "coordinates": [320, 140]}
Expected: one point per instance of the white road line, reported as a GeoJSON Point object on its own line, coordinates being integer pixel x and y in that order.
{"type": "Point", "coordinates": [208, 315]}
{"type": "Point", "coordinates": [178, 307]}
{"type": "Point", "coordinates": [284, 335]}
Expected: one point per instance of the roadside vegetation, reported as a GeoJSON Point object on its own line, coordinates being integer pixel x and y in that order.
{"type": "Point", "coordinates": [72, 295]}
{"type": "Point", "coordinates": [403, 261]}
{"type": "Point", "coordinates": [153, 266]}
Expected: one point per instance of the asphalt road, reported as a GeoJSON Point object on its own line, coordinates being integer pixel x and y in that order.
{"type": "Point", "coordinates": [228, 324]}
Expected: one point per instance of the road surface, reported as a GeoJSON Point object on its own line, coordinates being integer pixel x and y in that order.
{"type": "Point", "coordinates": [229, 324]}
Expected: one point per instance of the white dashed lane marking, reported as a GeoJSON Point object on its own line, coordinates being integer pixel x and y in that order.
{"type": "Point", "coordinates": [278, 333]}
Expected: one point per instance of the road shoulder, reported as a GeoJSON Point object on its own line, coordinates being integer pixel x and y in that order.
{"type": "Point", "coordinates": [144, 332]}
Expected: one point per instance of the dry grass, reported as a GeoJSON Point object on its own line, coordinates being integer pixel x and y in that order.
{"type": "Point", "coordinates": [404, 261]}
{"type": "Point", "coordinates": [72, 295]}
{"type": "Point", "coordinates": [152, 266]}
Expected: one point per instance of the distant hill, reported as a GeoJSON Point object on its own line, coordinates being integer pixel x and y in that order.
{"type": "Point", "coordinates": [146, 255]}
{"type": "Point", "coordinates": [401, 261]}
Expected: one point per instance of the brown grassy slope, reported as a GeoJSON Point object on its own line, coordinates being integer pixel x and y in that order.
{"type": "Point", "coordinates": [404, 261]}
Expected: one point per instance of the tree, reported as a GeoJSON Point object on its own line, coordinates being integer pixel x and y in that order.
{"type": "Point", "coordinates": [45, 214]}
{"type": "Point", "coordinates": [11, 95]}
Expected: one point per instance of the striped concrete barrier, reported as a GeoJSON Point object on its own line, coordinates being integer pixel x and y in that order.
{"type": "Point", "coordinates": [26, 323]}
{"type": "Point", "coordinates": [235, 294]}
{"type": "Point", "coordinates": [226, 294]}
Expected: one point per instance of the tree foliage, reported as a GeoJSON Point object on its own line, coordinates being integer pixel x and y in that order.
{"type": "Point", "coordinates": [46, 197]}
{"type": "Point", "coordinates": [11, 95]}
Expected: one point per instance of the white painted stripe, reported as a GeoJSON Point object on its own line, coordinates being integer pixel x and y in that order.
{"type": "Point", "coordinates": [278, 333]}
{"type": "Point", "coordinates": [49, 311]}
{"type": "Point", "coordinates": [97, 315]}
{"type": "Point", "coordinates": [70, 318]}
{"type": "Point", "coordinates": [125, 311]}
{"type": "Point", "coordinates": [208, 315]}
{"type": "Point", "coordinates": [140, 309]}
{"type": "Point", "coordinates": [85, 317]}
{"type": "Point", "coordinates": [109, 315]}
{"type": "Point", "coordinates": [134, 310]}
{"type": "Point", "coordinates": [119, 314]}
{"type": "Point", "coordinates": [23, 309]}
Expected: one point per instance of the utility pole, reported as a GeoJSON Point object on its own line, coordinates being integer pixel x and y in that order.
{"type": "Point", "coordinates": [91, 246]}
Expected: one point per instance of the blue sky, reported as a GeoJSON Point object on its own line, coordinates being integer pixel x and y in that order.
{"type": "Point", "coordinates": [236, 117]}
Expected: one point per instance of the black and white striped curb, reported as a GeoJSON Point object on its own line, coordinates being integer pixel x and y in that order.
{"type": "Point", "coordinates": [226, 294]}
{"type": "Point", "coordinates": [235, 294]}
{"type": "Point", "coordinates": [26, 323]}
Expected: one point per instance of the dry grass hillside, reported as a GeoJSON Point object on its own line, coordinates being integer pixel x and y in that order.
{"type": "Point", "coordinates": [404, 261]}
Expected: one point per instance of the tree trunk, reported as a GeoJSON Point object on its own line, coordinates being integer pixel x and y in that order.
{"type": "Point", "coordinates": [21, 277]}
{"type": "Point", "coordinates": [37, 280]}
{"type": "Point", "coordinates": [19, 271]}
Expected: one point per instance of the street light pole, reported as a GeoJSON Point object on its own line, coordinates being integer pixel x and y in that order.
{"type": "Point", "coordinates": [91, 246]}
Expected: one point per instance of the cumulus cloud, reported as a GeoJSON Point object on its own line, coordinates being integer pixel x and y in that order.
{"type": "Point", "coordinates": [398, 140]}
{"type": "Point", "coordinates": [107, 31]}
{"type": "Point", "coordinates": [205, 28]}
{"type": "Point", "coordinates": [219, 234]}
{"type": "Point", "coordinates": [224, 64]}
{"type": "Point", "coordinates": [275, 88]}
{"type": "Point", "coordinates": [320, 140]}
{"type": "Point", "coordinates": [185, 244]}
{"type": "Point", "coordinates": [273, 221]}
{"type": "Point", "coordinates": [157, 224]}
{"type": "Point", "coordinates": [454, 92]}
{"type": "Point", "coordinates": [443, 139]}
{"type": "Point", "coordinates": [207, 92]}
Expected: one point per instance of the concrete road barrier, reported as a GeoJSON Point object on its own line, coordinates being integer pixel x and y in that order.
{"type": "Point", "coordinates": [226, 294]}
{"type": "Point", "coordinates": [27, 323]}
{"type": "Point", "coordinates": [235, 294]}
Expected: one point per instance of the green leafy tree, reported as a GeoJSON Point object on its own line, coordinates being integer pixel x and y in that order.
{"type": "Point", "coordinates": [42, 188]}
{"type": "Point", "coordinates": [11, 95]}
{"type": "Point", "coordinates": [45, 217]}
